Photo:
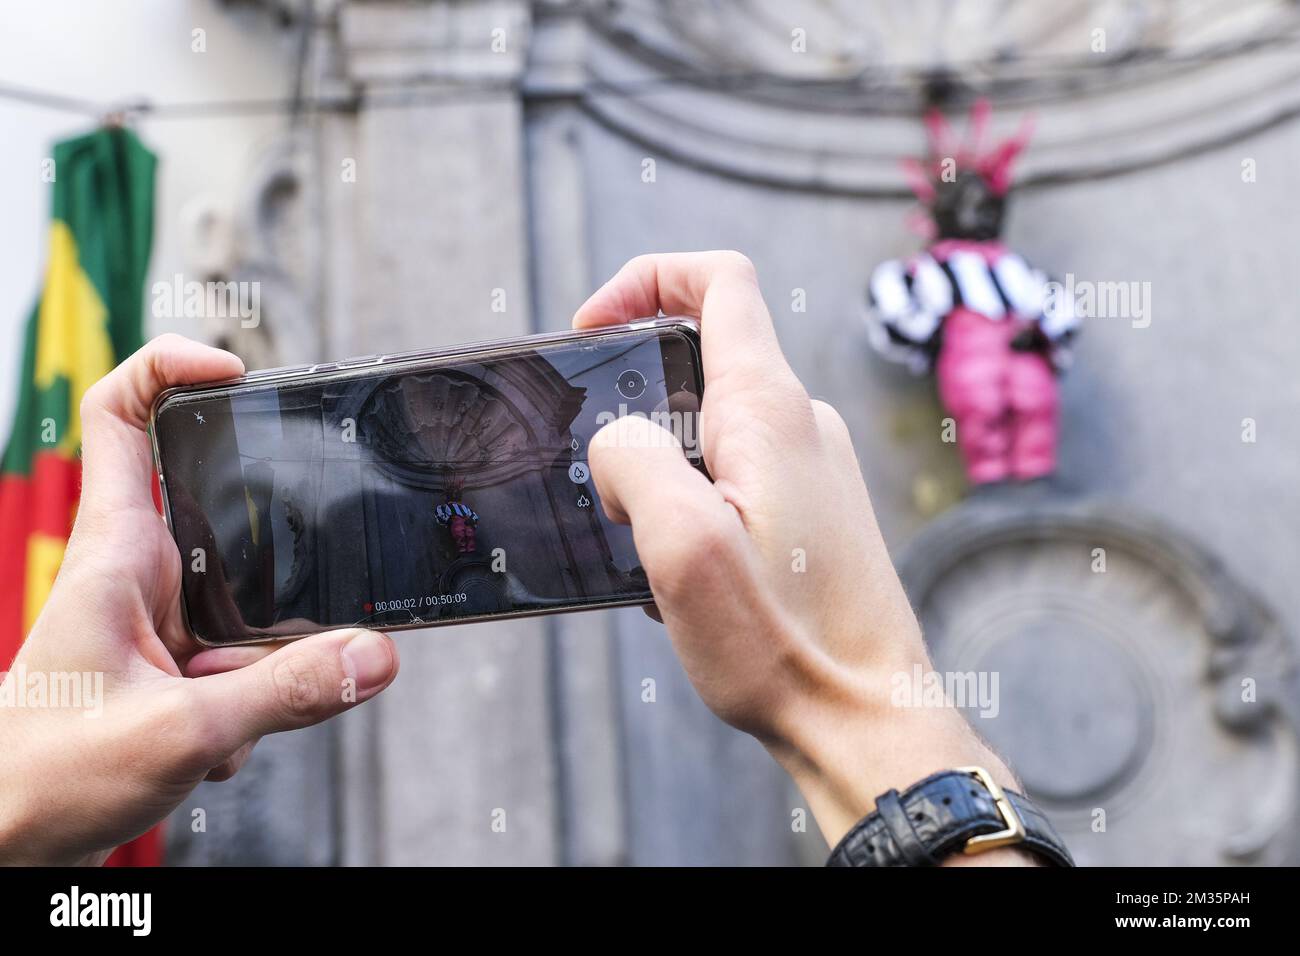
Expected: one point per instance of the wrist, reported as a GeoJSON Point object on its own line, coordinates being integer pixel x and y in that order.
{"type": "Point", "coordinates": [848, 741]}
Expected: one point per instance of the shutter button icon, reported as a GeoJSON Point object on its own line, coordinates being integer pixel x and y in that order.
{"type": "Point", "coordinates": [630, 384]}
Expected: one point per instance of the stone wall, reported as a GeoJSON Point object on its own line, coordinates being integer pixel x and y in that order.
{"type": "Point", "coordinates": [538, 188]}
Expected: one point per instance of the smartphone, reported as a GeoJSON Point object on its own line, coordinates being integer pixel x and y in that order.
{"type": "Point", "coordinates": [418, 489]}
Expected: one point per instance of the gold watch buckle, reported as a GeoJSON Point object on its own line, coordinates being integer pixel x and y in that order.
{"type": "Point", "coordinates": [1014, 827]}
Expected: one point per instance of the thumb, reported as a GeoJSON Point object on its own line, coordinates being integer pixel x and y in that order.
{"type": "Point", "coordinates": [302, 683]}
{"type": "Point", "coordinates": [685, 531]}
{"type": "Point", "coordinates": [640, 472]}
{"type": "Point", "coordinates": [117, 462]}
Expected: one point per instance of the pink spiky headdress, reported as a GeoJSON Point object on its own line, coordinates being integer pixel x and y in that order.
{"type": "Point", "coordinates": [993, 164]}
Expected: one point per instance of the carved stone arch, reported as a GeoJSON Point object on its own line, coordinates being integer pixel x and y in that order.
{"type": "Point", "coordinates": [840, 117]}
{"type": "Point", "coordinates": [419, 425]}
{"type": "Point", "coordinates": [495, 420]}
{"type": "Point", "coordinates": [1141, 687]}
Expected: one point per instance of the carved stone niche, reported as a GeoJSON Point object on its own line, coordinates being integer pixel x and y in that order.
{"type": "Point", "coordinates": [418, 424]}
{"type": "Point", "coordinates": [268, 243]}
{"type": "Point", "coordinates": [1142, 693]}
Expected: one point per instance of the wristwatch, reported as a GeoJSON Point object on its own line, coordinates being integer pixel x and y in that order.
{"type": "Point", "coordinates": [962, 810]}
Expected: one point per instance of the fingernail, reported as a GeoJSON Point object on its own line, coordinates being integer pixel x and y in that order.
{"type": "Point", "coordinates": [368, 659]}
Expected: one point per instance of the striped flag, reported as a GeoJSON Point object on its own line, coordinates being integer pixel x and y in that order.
{"type": "Point", "coordinates": [88, 318]}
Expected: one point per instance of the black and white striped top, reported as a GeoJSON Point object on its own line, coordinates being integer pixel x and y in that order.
{"type": "Point", "coordinates": [908, 301]}
{"type": "Point", "coordinates": [445, 512]}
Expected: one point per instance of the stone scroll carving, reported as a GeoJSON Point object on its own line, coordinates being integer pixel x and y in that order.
{"type": "Point", "coordinates": [825, 95]}
{"type": "Point", "coordinates": [1141, 690]}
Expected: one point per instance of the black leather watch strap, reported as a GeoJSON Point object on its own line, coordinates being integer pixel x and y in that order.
{"type": "Point", "coordinates": [954, 811]}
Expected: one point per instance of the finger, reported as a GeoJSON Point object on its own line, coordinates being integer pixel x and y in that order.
{"type": "Point", "coordinates": [116, 459]}
{"type": "Point", "coordinates": [219, 660]}
{"type": "Point", "coordinates": [298, 685]}
{"type": "Point", "coordinates": [687, 535]}
{"type": "Point", "coordinates": [719, 288]}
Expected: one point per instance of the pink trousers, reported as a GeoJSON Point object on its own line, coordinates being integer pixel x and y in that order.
{"type": "Point", "coordinates": [1004, 402]}
{"type": "Point", "coordinates": [462, 534]}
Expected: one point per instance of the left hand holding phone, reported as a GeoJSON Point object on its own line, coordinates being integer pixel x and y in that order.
{"type": "Point", "coordinates": [159, 712]}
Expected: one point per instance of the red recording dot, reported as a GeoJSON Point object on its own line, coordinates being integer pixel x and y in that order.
{"type": "Point", "coordinates": [369, 607]}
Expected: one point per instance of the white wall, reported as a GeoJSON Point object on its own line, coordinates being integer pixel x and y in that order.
{"type": "Point", "coordinates": [125, 51]}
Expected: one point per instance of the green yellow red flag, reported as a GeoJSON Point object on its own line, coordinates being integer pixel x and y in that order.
{"type": "Point", "coordinates": [87, 319]}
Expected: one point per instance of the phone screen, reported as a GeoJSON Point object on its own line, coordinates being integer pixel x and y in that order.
{"type": "Point", "coordinates": [414, 492]}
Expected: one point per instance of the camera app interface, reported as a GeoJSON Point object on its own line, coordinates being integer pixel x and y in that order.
{"type": "Point", "coordinates": [389, 497]}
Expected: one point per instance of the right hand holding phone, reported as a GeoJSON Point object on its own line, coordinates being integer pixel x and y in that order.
{"type": "Point", "coordinates": [773, 580]}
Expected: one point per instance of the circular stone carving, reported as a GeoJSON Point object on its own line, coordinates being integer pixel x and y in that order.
{"type": "Point", "coordinates": [1082, 684]}
{"type": "Point", "coordinates": [485, 590]}
{"type": "Point", "coordinates": [1105, 657]}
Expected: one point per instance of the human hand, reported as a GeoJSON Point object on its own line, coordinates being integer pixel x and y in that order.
{"type": "Point", "coordinates": [74, 785]}
{"type": "Point", "coordinates": [773, 581]}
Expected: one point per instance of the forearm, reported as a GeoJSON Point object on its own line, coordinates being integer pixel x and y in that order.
{"type": "Point", "coordinates": [36, 801]}
{"type": "Point", "coordinates": [18, 825]}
